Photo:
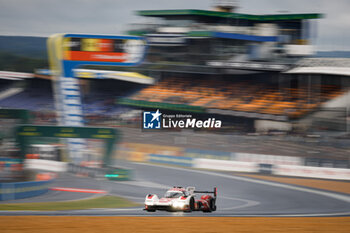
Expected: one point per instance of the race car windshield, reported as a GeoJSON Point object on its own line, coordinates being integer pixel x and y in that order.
{"type": "Point", "coordinates": [173, 194]}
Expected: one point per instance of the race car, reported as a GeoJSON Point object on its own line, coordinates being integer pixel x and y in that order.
{"type": "Point", "coordinates": [181, 199]}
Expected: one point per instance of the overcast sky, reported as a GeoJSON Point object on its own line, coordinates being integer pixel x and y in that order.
{"type": "Point", "coordinates": [45, 17]}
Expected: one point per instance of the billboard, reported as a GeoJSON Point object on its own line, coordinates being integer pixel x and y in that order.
{"type": "Point", "coordinates": [71, 51]}
{"type": "Point", "coordinates": [120, 50]}
{"type": "Point", "coordinates": [67, 52]}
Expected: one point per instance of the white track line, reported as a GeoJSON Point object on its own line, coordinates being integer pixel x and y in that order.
{"type": "Point", "coordinates": [147, 184]}
{"type": "Point", "coordinates": [248, 203]}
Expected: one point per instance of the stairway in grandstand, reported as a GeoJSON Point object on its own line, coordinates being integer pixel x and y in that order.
{"type": "Point", "coordinates": [332, 114]}
{"type": "Point", "coordinates": [27, 98]}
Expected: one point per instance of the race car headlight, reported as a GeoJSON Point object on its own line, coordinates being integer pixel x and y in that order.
{"type": "Point", "coordinates": [178, 205]}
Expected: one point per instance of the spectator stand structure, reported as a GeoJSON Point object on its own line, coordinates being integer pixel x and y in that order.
{"type": "Point", "coordinates": [70, 51]}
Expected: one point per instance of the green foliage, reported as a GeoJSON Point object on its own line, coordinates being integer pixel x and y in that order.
{"type": "Point", "coordinates": [24, 46]}
{"type": "Point", "coordinates": [99, 202]}
{"type": "Point", "coordinates": [11, 62]}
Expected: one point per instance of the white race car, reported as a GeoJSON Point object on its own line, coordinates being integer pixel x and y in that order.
{"type": "Point", "coordinates": [180, 199]}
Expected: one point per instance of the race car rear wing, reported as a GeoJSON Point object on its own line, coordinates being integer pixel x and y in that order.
{"type": "Point", "coordinates": [215, 192]}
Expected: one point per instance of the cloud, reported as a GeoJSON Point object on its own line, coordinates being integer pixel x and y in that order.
{"type": "Point", "coordinates": [45, 17]}
{"type": "Point", "coordinates": [332, 31]}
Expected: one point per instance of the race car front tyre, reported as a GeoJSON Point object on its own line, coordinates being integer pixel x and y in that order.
{"type": "Point", "coordinates": [192, 204]}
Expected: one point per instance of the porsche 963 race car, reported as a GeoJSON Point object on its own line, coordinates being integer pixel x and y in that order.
{"type": "Point", "coordinates": [181, 199]}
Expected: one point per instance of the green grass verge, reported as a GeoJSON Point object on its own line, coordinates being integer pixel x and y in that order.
{"type": "Point", "coordinates": [99, 202]}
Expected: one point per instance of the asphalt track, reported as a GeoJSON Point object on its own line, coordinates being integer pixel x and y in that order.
{"type": "Point", "coordinates": [237, 196]}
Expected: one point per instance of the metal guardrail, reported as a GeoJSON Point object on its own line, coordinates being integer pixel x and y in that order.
{"type": "Point", "coordinates": [87, 171]}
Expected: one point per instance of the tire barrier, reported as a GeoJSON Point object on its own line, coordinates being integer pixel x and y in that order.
{"type": "Point", "coordinates": [18, 190]}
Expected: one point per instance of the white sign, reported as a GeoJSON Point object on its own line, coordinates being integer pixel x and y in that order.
{"type": "Point", "coordinates": [45, 165]}
{"type": "Point", "coordinates": [314, 172]}
{"type": "Point", "coordinates": [224, 165]}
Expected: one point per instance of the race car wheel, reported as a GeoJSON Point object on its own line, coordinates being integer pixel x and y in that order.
{"type": "Point", "coordinates": [151, 210]}
{"type": "Point", "coordinates": [199, 205]}
{"type": "Point", "coordinates": [212, 205]}
{"type": "Point", "coordinates": [192, 207]}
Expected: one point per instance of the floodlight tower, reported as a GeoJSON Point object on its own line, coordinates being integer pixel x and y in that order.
{"type": "Point", "coordinates": [225, 5]}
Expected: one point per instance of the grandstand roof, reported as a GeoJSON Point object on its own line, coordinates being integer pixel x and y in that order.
{"type": "Point", "coordinates": [331, 66]}
{"type": "Point", "coordinates": [333, 62]}
{"type": "Point", "coordinates": [11, 75]}
{"type": "Point", "coordinates": [162, 13]}
{"type": "Point", "coordinates": [108, 74]}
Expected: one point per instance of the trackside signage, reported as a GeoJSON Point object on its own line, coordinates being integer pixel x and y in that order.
{"type": "Point", "coordinates": [68, 52]}
{"type": "Point", "coordinates": [157, 120]}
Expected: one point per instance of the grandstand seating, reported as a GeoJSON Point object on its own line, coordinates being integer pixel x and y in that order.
{"type": "Point", "coordinates": [29, 99]}
{"type": "Point", "coordinates": [239, 96]}
{"type": "Point", "coordinates": [38, 96]}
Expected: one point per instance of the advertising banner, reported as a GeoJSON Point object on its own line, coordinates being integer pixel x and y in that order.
{"type": "Point", "coordinates": [222, 165]}
{"type": "Point", "coordinates": [313, 172]}
{"type": "Point", "coordinates": [173, 160]}
{"type": "Point", "coordinates": [99, 49]}
{"type": "Point", "coordinates": [207, 154]}
{"type": "Point", "coordinates": [45, 165]}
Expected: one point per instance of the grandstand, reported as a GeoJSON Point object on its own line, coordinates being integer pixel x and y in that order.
{"type": "Point", "coordinates": [242, 67]}
{"type": "Point", "coordinates": [253, 72]}
{"type": "Point", "coordinates": [36, 95]}
{"type": "Point", "coordinates": [239, 96]}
